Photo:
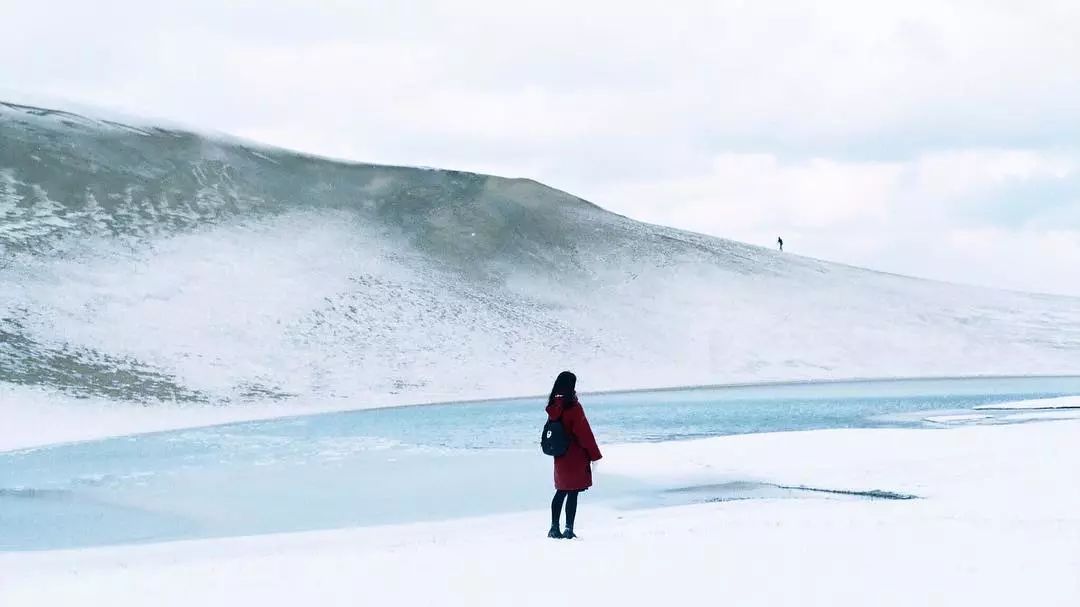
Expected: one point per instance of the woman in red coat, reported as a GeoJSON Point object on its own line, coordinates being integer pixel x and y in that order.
{"type": "Point", "coordinates": [573, 470]}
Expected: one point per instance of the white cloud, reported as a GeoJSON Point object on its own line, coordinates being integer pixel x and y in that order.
{"type": "Point", "coordinates": [900, 216]}
{"type": "Point", "coordinates": [958, 173]}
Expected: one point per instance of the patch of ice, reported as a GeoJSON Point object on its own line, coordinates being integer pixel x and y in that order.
{"type": "Point", "coordinates": [956, 419]}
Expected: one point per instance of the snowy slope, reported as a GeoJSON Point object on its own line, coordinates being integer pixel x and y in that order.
{"type": "Point", "coordinates": [144, 264]}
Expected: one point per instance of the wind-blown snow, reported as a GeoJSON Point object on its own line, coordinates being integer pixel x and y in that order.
{"type": "Point", "coordinates": [997, 522]}
{"type": "Point", "coordinates": [960, 418]}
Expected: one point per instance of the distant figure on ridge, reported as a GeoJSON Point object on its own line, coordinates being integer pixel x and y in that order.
{"type": "Point", "coordinates": [780, 241]}
{"type": "Point", "coordinates": [568, 437]}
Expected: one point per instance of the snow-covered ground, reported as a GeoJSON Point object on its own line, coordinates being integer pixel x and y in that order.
{"type": "Point", "coordinates": [998, 523]}
{"type": "Point", "coordinates": [33, 418]}
{"type": "Point", "coordinates": [1061, 402]}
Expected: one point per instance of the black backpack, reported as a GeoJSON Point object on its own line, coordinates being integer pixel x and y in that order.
{"type": "Point", "coordinates": [554, 440]}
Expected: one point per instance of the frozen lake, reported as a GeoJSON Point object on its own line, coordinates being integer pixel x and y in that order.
{"type": "Point", "coordinates": [420, 463]}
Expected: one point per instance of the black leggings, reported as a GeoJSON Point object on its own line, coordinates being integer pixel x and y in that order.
{"type": "Point", "coordinates": [571, 507]}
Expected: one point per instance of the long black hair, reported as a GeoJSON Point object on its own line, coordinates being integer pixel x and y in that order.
{"type": "Point", "coordinates": [566, 386]}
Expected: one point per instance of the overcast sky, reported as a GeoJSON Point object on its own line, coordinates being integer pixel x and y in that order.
{"type": "Point", "coordinates": [939, 138]}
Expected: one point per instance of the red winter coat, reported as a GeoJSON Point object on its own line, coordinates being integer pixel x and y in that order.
{"type": "Point", "coordinates": [572, 470]}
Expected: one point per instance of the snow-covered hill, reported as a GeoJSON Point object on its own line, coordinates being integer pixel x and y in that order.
{"type": "Point", "coordinates": [146, 264]}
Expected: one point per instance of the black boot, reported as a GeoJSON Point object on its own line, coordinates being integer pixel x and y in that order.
{"type": "Point", "coordinates": [568, 534]}
{"type": "Point", "coordinates": [554, 534]}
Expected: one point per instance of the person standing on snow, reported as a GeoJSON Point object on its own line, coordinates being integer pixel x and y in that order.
{"type": "Point", "coordinates": [780, 241]}
{"type": "Point", "coordinates": [573, 469]}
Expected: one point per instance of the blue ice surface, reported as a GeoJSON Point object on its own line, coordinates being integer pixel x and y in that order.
{"type": "Point", "coordinates": [410, 464]}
